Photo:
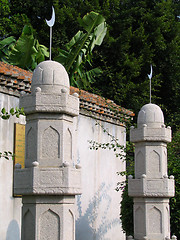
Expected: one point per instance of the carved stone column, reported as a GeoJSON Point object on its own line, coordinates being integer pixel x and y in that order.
{"type": "Point", "coordinates": [51, 178]}
{"type": "Point", "coordinates": [151, 188]}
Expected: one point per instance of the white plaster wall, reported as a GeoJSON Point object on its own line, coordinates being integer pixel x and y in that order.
{"type": "Point", "coordinates": [98, 208]}
{"type": "Point", "coordinates": [10, 208]}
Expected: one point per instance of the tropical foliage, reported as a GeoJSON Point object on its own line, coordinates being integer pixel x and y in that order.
{"type": "Point", "coordinates": [77, 57]}
{"type": "Point", "coordinates": [26, 52]}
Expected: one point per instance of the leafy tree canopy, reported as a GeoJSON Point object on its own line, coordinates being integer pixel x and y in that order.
{"type": "Point", "coordinates": [140, 33]}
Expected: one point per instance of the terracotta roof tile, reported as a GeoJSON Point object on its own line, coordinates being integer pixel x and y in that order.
{"type": "Point", "coordinates": [17, 79]}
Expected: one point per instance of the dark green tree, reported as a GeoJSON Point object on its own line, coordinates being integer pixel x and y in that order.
{"type": "Point", "coordinates": [174, 169]}
{"type": "Point", "coordinates": [11, 23]}
{"type": "Point", "coordinates": [140, 33]}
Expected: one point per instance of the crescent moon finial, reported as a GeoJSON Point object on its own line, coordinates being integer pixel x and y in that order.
{"type": "Point", "coordinates": [51, 22]}
{"type": "Point", "coordinates": [150, 77]}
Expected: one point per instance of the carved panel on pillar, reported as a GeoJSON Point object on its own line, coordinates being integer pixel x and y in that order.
{"type": "Point", "coordinates": [155, 223]}
{"type": "Point", "coordinates": [139, 220]}
{"type": "Point", "coordinates": [68, 147]}
{"type": "Point", "coordinates": [72, 223]}
{"type": "Point", "coordinates": [30, 144]}
{"type": "Point", "coordinates": [49, 226]}
{"type": "Point", "coordinates": [140, 165]}
{"type": "Point", "coordinates": [28, 226]}
{"type": "Point", "coordinates": [154, 165]}
{"type": "Point", "coordinates": [50, 143]}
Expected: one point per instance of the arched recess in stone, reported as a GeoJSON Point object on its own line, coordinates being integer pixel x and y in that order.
{"type": "Point", "coordinates": [49, 226]}
{"type": "Point", "coordinates": [140, 165]}
{"type": "Point", "coordinates": [30, 138]}
{"type": "Point", "coordinates": [72, 222]}
{"type": "Point", "coordinates": [155, 220]}
{"type": "Point", "coordinates": [168, 216]}
{"type": "Point", "coordinates": [68, 147]}
{"type": "Point", "coordinates": [28, 226]}
{"type": "Point", "coordinates": [139, 220]}
{"type": "Point", "coordinates": [50, 143]}
{"type": "Point", "coordinates": [154, 165]}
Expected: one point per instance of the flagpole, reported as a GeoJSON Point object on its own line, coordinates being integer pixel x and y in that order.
{"type": "Point", "coordinates": [150, 90]}
{"type": "Point", "coordinates": [50, 43]}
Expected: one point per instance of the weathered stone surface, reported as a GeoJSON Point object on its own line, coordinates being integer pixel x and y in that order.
{"type": "Point", "coordinates": [48, 181]}
{"type": "Point", "coordinates": [51, 177]}
{"type": "Point", "coordinates": [54, 217]}
{"type": "Point", "coordinates": [50, 76]}
{"type": "Point", "coordinates": [151, 187]}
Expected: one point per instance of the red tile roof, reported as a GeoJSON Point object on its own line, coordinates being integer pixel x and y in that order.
{"type": "Point", "coordinates": [16, 80]}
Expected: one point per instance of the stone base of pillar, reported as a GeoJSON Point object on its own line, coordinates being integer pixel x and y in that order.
{"type": "Point", "coordinates": [48, 218]}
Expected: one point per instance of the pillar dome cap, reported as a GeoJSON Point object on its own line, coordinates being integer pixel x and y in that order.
{"type": "Point", "coordinates": [50, 76]}
{"type": "Point", "coordinates": [150, 115]}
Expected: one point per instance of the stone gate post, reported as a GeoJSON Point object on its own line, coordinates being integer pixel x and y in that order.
{"type": "Point", "coordinates": [51, 178]}
{"type": "Point", "coordinates": [151, 188]}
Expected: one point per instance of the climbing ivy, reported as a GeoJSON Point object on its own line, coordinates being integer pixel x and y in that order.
{"type": "Point", "coordinates": [13, 111]}
{"type": "Point", "coordinates": [6, 155]}
{"type": "Point", "coordinates": [4, 114]}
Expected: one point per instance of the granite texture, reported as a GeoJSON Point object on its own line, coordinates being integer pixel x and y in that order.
{"type": "Point", "coordinates": [151, 188]}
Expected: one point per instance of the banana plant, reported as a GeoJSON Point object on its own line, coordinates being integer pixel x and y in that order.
{"type": "Point", "coordinates": [5, 47]}
{"type": "Point", "coordinates": [77, 55]}
{"type": "Point", "coordinates": [26, 52]}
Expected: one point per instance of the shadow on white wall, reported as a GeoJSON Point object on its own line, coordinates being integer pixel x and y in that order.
{"type": "Point", "coordinates": [88, 226]}
{"type": "Point", "coordinates": [13, 232]}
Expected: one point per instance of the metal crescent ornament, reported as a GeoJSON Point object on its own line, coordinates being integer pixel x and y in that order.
{"type": "Point", "coordinates": [150, 75]}
{"type": "Point", "coordinates": [51, 22]}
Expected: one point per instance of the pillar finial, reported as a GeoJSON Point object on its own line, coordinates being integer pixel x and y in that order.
{"type": "Point", "coordinates": [50, 23]}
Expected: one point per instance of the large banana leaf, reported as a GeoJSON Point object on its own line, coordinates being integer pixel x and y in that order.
{"type": "Point", "coordinates": [23, 52]}
{"type": "Point", "coordinates": [5, 47]}
{"type": "Point", "coordinates": [26, 52]}
{"type": "Point", "coordinates": [78, 51]}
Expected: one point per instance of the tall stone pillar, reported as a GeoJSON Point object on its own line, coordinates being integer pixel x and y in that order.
{"type": "Point", "coordinates": [51, 178]}
{"type": "Point", "coordinates": [151, 188]}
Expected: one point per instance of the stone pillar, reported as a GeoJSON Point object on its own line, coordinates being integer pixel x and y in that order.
{"type": "Point", "coordinates": [51, 178]}
{"type": "Point", "coordinates": [151, 188]}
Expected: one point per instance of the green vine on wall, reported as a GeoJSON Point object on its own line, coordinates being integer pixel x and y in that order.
{"type": "Point", "coordinates": [7, 155]}
{"type": "Point", "coordinates": [124, 154]}
{"type": "Point", "coordinates": [4, 114]}
{"type": "Point", "coordinates": [13, 111]}
{"type": "Point", "coordinates": [112, 145]}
